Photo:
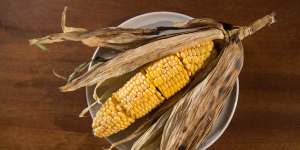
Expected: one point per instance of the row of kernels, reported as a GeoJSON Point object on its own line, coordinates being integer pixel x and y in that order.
{"type": "Point", "coordinates": [132, 95]}
{"type": "Point", "coordinates": [194, 58]}
{"type": "Point", "coordinates": [163, 72]}
{"type": "Point", "coordinates": [110, 119]}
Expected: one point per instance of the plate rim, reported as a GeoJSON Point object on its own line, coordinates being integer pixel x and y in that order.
{"type": "Point", "coordinates": [153, 13]}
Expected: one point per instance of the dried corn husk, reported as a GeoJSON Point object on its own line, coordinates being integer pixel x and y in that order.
{"type": "Point", "coordinates": [179, 123]}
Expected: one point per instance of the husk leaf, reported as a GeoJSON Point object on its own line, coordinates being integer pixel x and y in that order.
{"type": "Point", "coordinates": [135, 58]}
{"type": "Point", "coordinates": [193, 116]}
{"type": "Point", "coordinates": [121, 38]}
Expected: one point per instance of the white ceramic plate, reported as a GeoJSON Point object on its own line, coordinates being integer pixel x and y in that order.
{"type": "Point", "coordinates": [162, 19]}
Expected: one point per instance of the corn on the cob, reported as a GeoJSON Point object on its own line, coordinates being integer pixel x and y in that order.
{"type": "Point", "coordinates": [151, 86]}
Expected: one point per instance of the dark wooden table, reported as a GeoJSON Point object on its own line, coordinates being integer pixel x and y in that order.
{"type": "Point", "coordinates": [35, 115]}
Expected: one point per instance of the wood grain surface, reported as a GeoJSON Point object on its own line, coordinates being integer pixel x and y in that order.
{"type": "Point", "coordinates": [34, 115]}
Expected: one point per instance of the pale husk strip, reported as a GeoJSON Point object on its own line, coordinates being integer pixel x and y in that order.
{"type": "Point", "coordinates": [193, 116]}
{"type": "Point", "coordinates": [135, 58]}
{"type": "Point", "coordinates": [65, 28]}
